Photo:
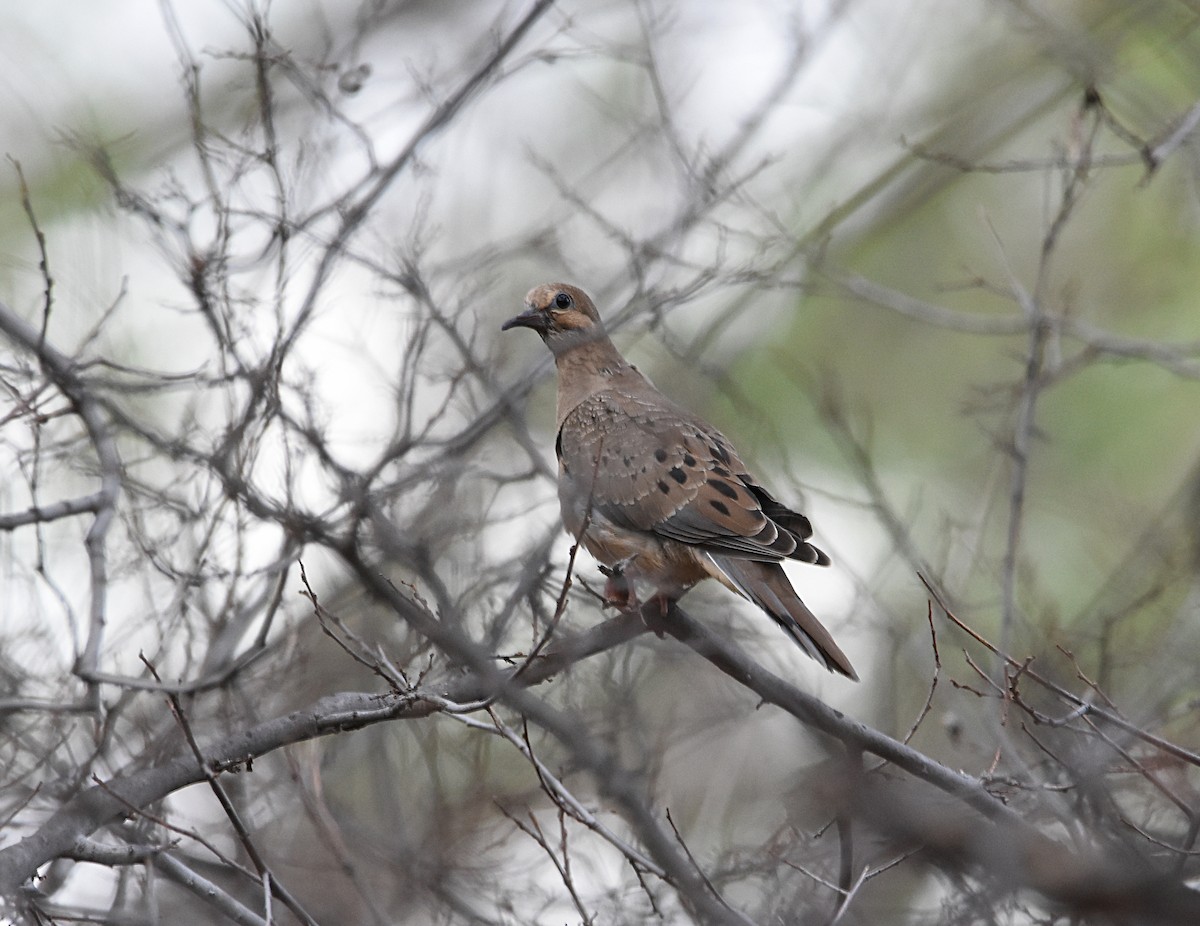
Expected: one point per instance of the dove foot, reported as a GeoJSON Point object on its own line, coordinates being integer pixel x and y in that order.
{"type": "Point", "coordinates": [618, 590]}
{"type": "Point", "coordinates": [654, 612]}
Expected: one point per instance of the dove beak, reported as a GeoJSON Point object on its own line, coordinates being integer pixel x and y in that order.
{"type": "Point", "coordinates": [531, 318]}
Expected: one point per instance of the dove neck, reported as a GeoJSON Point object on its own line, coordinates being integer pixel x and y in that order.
{"type": "Point", "coordinates": [587, 357]}
{"type": "Point", "coordinates": [588, 367]}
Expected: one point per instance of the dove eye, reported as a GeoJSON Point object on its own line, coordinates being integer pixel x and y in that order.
{"type": "Point", "coordinates": [563, 301]}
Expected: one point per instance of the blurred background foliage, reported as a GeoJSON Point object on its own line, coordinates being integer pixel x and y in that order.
{"type": "Point", "coordinates": [844, 306]}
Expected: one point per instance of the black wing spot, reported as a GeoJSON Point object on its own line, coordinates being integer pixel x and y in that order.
{"type": "Point", "coordinates": [720, 452]}
{"type": "Point", "coordinates": [720, 506]}
{"type": "Point", "coordinates": [689, 460]}
{"type": "Point", "coordinates": [722, 471]}
{"type": "Point", "coordinates": [660, 455]}
{"type": "Point", "coordinates": [678, 475]}
{"type": "Point", "coordinates": [663, 487]}
{"type": "Point", "coordinates": [725, 488]}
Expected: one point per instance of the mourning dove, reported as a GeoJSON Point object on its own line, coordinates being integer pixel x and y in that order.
{"type": "Point", "coordinates": [656, 494]}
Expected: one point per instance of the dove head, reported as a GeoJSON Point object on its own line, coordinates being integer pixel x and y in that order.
{"type": "Point", "coordinates": [562, 314]}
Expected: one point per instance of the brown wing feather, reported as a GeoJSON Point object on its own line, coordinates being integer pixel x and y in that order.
{"type": "Point", "coordinates": [658, 469]}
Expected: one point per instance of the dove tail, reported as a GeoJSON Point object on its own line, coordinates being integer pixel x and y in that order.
{"type": "Point", "coordinates": [767, 585]}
